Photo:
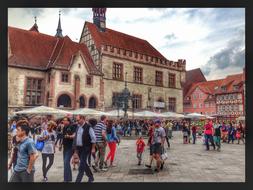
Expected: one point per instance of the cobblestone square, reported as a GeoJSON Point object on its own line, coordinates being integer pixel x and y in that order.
{"type": "Point", "coordinates": [186, 163]}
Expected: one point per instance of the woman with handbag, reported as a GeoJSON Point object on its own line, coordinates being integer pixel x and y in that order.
{"type": "Point", "coordinates": [112, 140]}
{"type": "Point", "coordinates": [48, 150]}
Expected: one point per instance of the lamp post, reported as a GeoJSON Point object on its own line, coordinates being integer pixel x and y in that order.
{"type": "Point", "coordinates": [126, 96]}
{"type": "Point", "coordinates": [122, 98]}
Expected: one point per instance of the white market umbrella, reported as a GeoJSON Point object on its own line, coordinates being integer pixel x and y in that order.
{"type": "Point", "coordinates": [148, 114]}
{"type": "Point", "coordinates": [88, 111]}
{"type": "Point", "coordinates": [120, 113]}
{"type": "Point", "coordinates": [43, 110]}
{"type": "Point", "coordinates": [209, 117]}
{"type": "Point", "coordinates": [195, 116]}
{"type": "Point", "coordinates": [172, 115]}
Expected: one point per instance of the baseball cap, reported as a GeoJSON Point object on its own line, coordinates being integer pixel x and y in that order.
{"type": "Point", "coordinates": [157, 121]}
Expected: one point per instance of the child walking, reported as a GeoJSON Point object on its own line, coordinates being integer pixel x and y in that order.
{"type": "Point", "coordinates": [75, 161]}
{"type": "Point", "coordinates": [140, 148]}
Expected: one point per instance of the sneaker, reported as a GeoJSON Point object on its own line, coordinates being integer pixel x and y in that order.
{"type": "Point", "coordinates": [45, 179]}
{"type": "Point", "coordinates": [91, 180]}
{"type": "Point", "coordinates": [103, 169]}
{"type": "Point", "coordinates": [148, 166]}
{"type": "Point", "coordinates": [157, 170]}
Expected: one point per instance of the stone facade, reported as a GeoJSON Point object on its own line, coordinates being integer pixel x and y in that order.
{"type": "Point", "coordinates": [16, 85]}
{"type": "Point", "coordinates": [157, 92]}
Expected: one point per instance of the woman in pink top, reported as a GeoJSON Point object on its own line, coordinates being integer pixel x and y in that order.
{"type": "Point", "coordinates": [209, 135]}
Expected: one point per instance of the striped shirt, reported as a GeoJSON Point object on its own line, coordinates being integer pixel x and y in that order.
{"type": "Point", "coordinates": [98, 131]}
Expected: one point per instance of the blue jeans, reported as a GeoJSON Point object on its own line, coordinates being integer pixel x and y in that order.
{"type": "Point", "coordinates": [67, 155]}
{"type": "Point", "coordinates": [194, 138]}
{"type": "Point", "coordinates": [84, 167]}
{"type": "Point", "coordinates": [230, 137]}
{"type": "Point", "coordinates": [207, 138]}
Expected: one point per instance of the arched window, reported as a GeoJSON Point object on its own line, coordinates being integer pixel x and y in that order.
{"type": "Point", "coordinates": [81, 102]}
{"type": "Point", "coordinates": [64, 101]}
{"type": "Point", "coordinates": [92, 102]}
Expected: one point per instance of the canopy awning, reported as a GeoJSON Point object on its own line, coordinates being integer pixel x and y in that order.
{"type": "Point", "coordinates": [88, 111]}
{"type": "Point", "coordinates": [44, 110]}
{"type": "Point", "coordinates": [195, 116]}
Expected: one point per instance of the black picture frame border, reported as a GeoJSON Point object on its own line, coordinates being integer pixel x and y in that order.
{"type": "Point", "coordinates": [123, 3]}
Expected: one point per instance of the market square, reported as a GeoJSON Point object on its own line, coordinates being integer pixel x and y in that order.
{"type": "Point", "coordinates": [113, 106]}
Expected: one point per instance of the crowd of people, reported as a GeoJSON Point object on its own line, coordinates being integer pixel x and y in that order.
{"type": "Point", "coordinates": [83, 143]}
{"type": "Point", "coordinates": [214, 132]}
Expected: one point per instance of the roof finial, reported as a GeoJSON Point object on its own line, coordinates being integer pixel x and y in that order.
{"type": "Point", "coordinates": [59, 30]}
{"type": "Point", "coordinates": [35, 26]}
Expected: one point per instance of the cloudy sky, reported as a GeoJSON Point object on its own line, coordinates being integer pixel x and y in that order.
{"type": "Point", "coordinates": [210, 38]}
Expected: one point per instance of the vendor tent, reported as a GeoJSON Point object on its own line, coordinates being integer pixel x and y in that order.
{"type": "Point", "coordinates": [88, 111]}
{"type": "Point", "coordinates": [147, 114]}
{"type": "Point", "coordinates": [172, 115]}
{"type": "Point", "coordinates": [43, 110]}
{"type": "Point", "coordinates": [120, 113]}
{"type": "Point", "coordinates": [195, 116]}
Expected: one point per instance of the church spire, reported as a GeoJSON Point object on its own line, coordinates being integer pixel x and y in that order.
{"type": "Point", "coordinates": [35, 26]}
{"type": "Point", "coordinates": [59, 30]}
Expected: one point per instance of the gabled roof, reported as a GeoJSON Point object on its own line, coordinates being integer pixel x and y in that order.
{"type": "Point", "coordinates": [30, 49]}
{"type": "Point", "coordinates": [231, 80]}
{"type": "Point", "coordinates": [214, 87]}
{"type": "Point", "coordinates": [193, 76]}
{"type": "Point", "coordinates": [40, 51]}
{"type": "Point", "coordinates": [208, 87]}
{"type": "Point", "coordinates": [122, 40]}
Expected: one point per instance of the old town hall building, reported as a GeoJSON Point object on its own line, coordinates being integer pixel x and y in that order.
{"type": "Point", "coordinates": [55, 71]}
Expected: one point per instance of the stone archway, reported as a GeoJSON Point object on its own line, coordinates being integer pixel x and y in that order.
{"type": "Point", "coordinates": [64, 100]}
{"type": "Point", "coordinates": [92, 102]}
{"type": "Point", "coordinates": [82, 102]}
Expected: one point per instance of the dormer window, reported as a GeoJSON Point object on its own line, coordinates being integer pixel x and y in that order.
{"type": "Point", "coordinates": [223, 88]}
{"type": "Point", "coordinates": [235, 87]}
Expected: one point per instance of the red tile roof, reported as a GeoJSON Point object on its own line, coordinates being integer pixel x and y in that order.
{"type": "Point", "coordinates": [193, 76]}
{"type": "Point", "coordinates": [231, 80]}
{"type": "Point", "coordinates": [31, 49]}
{"type": "Point", "coordinates": [35, 50]}
{"type": "Point", "coordinates": [121, 40]}
{"type": "Point", "coordinates": [210, 87]}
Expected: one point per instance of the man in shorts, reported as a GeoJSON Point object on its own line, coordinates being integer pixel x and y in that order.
{"type": "Point", "coordinates": [159, 138]}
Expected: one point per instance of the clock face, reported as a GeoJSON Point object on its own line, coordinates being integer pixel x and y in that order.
{"type": "Point", "coordinates": [102, 24]}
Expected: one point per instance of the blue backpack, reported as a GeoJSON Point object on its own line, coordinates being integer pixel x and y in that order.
{"type": "Point", "coordinates": [40, 144]}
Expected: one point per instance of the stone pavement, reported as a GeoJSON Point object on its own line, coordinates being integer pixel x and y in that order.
{"type": "Point", "coordinates": [186, 163]}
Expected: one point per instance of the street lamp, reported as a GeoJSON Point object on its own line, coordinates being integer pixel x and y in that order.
{"type": "Point", "coordinates": [122, 98]}
{"type": "Point", "coordinates": [125, 96]}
